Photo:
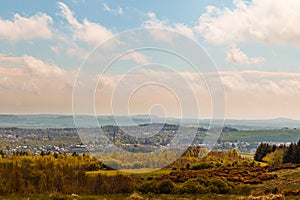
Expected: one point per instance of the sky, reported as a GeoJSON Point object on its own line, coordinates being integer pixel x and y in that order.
{"type": "Point", "coordinates": [254, 46]}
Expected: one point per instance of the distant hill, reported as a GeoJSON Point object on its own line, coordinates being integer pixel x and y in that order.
{"type": "Point", "coordinates": [66, 121]}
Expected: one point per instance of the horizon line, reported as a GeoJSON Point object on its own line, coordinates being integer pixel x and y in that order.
{"type": "Point", "coordinates": [111, 115]}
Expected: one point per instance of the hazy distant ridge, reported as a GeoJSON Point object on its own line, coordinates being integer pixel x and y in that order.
{"type": "Point", "coordinates": [66, 121]}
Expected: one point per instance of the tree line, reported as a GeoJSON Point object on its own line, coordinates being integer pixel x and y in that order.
{"type": "Point", "coordinates": [274, 154]}
{"type": "Point", "coordinates": [63, 173]}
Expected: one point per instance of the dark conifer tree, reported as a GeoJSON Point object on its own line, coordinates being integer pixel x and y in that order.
{"type": "Point", "coordinates": [288, 156]}
{"type": "Point", "coordinates": [262, 150]}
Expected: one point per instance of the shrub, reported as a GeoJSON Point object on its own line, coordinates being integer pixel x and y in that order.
{"type": "Point", "coordinates": [166, 187]}
{"type": "Point", "coordinates": [202, 180]}
{"type": "Point", "coordinates": [213, 189]}
{"type": "Point", "coordinates": [148, 187]}
{"type": "Point", "coordinates": [271, 190]}
{"type": "Point", "coordinates": [204, 165]}
{"type": "Point", "coordinates": [188, 165]}
{"type": "Point", "coordinates": [221, 185]}
{"type": "Point", "coordinates": [275, 190]}
{"type": "Point", "coordinates": [202, 189]}
{"type": "Point", "coordinates": [192, 187]}
{"type": "Point", "coordinates": [242, 189]}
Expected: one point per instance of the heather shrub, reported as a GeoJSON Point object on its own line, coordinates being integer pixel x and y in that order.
{"type": "Point", "coordinates": [166, 187]}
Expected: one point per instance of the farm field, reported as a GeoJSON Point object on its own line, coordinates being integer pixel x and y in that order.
{"type": "Point", "coordinates": [263, 136]}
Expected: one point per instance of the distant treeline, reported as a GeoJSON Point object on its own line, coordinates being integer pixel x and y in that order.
{"type": "Point", "coordinates": [274, 154]}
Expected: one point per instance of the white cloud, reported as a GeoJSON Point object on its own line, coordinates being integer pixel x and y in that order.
{"type": "Point", "coordinates": [97, 57]}
{"type": "Point", "coordinates": [268, 21]}
{"type": "Point", "coordinates": [37, 86]}
{"type": "Point", "coordinates": [30, 85]}
{"type": "Point", "coordinates": [38, 67]}
{"type": "Point", "coordinates": [89, 32]}
{"type": "Point", "coordinates": [237, 56]}
{"type": "Point", "coordinates": [157, 34]}
{"type": "Point", "coordinates": [258, 82]}
{"type": "Point", "coordinates": [67, 13]}
{"type": "Point", "coordinates": [154, 22]}
{"type": "Point", "coordinates": [258, 94]}
{"type": "Point", "coordinates": [28, 65]}
{"type": "Point", "coordinates": [137, 57]}
{"type": "Point", "coordinates": [29, 70]}
{"type": "Point", "coordinates": [22, 28]}
{"type": "Point", "coordinates": [78, 52]}
{"type": "Point", "coordinates": [116, 11]}
{"type": "Point", "coordinates": [185, 30]}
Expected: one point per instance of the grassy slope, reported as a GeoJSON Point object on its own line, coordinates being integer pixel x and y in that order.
{"type": "Point", "coordinates": [288, 179]}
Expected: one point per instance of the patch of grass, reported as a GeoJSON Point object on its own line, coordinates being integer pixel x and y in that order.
{"type": "Point", "coordinates": [288, 179]}
{"type": "Point", "coordinates": [140, 173]}
{"type": "Point", "coordinates": [287, 173]}
{"type": "Point", "coordinates": [156, 173]}
{"type": "Point", "coordinates": [292, 198]}
{"type": "Point", "coordinates": [105, 173]}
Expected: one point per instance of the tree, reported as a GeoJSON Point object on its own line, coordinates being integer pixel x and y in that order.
{"type": "Point", "coordinates": [288, 157]}
{"type": "Point", "coordinates": [292, 154]}
{"type": "Point", "coordinates": [275, 157]}
{"type": "Point", "coordinates": [262, 150]}
{"type": "Point", "coordinates": [297, 153]}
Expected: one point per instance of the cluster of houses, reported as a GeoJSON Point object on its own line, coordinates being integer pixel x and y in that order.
{"type": "Point", "coordinates": [66, 140]}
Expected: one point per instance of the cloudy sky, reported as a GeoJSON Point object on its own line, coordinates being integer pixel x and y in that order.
{"type": "Point", "coordinates": [255, 46]}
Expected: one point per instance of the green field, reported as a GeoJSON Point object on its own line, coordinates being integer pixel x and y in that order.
{"type": "Point", "coordinates": [264, 136]}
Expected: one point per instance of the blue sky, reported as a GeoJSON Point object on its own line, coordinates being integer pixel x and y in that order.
{"type": "Point", "coordinates": [254, 44]}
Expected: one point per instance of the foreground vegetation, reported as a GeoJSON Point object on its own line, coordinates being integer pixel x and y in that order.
{"type": "Point", "coordinates": [223, 175]}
